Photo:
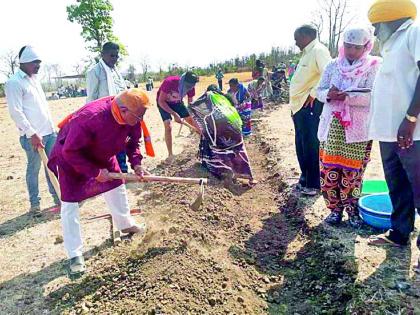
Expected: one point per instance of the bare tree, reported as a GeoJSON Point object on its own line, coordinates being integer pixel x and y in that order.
{"type": "Point", "coordinates": [79, 68]}
{"type": "Point", "coordinates": [333, 17]}
{"type": "Point", "coordinates": [145, 66]}
{"type": "Point", "coordinates": [55, 70]}
{"type": "Point", "coordinates": [51, 74]}
{"type": "Point", "coordinates": [318, 23]}
{"type": "Point", "coordinates": [47, 74]}
{"type": "Point", "coordinates": [9, 63]}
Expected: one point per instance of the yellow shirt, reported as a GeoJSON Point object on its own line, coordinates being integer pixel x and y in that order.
{"type": "Point", "coordinates": [315, 58]}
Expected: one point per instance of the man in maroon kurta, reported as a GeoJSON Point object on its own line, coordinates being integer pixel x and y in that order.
{"type": "Point", "coordinates": [170, 103]}
{"type": "Point", "coordinates": [84, 155]}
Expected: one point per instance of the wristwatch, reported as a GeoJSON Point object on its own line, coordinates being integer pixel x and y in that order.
{"type": "Point", "coordinates": [412, 119]}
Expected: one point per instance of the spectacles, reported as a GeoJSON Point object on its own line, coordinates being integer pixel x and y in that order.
{"type": "Point", "coordinates": [117, 99]}
{"type": "Point", "coordinates": [134, 115]}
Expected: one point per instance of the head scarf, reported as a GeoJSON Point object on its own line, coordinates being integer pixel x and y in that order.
{"type": "Point", "coordinates": [184, 86]}
{"type": "Point", "coordinates": [29, 54]}
{"type": "Point", "coordinates": [132, 99]}
{"type": "Point", "coordinates": [353, 73]}
{"type": "Point", "coordinates": [383, 11]}
{"type": "Point", "coordinates": [361, 36]}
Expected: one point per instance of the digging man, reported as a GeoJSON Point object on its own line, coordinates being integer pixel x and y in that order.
{"type": "Point", "coordinates": [83, 157]}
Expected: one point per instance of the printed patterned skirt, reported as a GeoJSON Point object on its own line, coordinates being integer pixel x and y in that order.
{"type": "Point", "coordinates": [335, 152]}
{"type": "Point", "coordinates": [342, 167]}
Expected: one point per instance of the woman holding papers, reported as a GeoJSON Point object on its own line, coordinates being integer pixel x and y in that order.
{"type": "Point", "coordinates": [345, 89]}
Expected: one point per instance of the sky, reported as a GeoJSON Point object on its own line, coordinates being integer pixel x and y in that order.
{"type": "Point", "coordinates": [186, 32]}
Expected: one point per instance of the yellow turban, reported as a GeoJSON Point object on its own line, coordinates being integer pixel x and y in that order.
{"type": "Point", "coordinates": [383, 11]}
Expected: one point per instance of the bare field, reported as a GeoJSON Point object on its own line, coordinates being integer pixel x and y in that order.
{"type": "Point", "coordinates": [246, 251]}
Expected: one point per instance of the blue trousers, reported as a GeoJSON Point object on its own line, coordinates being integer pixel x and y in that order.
{"type": "Point", "coordinates": [122, 161]}
{"type": "Point", "coordinates": [33, 167]}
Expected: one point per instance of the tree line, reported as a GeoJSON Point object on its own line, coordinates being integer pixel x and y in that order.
{"type": "Point", "coordinates": [94, 16]}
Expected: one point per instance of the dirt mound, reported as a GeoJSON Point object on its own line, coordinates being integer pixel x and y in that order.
{"type": "Point", "coordinates": [183, 265]}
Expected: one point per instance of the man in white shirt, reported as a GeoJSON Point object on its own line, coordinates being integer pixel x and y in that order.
{"type": "Point", "coordinates": [395, 108]}
{"type": "Point", "coordinates": [306, 109]}
{"type": "Point", "coordinates": [29, 110]}
{"type": "Point", "coordinates": [104, 79]}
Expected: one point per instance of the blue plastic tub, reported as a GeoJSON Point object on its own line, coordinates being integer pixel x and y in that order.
{"type": "Point", "coordinates": [376, 210]}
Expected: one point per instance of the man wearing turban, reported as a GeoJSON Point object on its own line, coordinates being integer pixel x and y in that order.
{"type": "Point", "coordinates": [395, 108]}
{"type": "Point", "coordinates": [84, 155]}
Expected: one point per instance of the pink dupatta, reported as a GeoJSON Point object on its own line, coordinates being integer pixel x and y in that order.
{"type": "Point", "coordinates": [352, 73]}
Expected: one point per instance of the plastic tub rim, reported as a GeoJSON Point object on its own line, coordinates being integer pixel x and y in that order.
{"type": "Point", "coordinates": [370, 209]}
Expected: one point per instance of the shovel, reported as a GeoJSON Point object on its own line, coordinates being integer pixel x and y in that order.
{"type": "Point", "coordinates": [179, 132]}
{"type": "Point", "coordinates": [51, 175]}
{"type": "Point", "coordinates": [164, 179]}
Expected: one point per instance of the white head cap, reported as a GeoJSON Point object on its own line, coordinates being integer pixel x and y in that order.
{"type": "Point", "coordinates": [358, 35]}
{"type": "Point", "coordinates": [29, 54]}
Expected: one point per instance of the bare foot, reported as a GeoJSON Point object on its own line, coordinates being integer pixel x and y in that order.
{"type": "Point", "coordinates": [170, 158]}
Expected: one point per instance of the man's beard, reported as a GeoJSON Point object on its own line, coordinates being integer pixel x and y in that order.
{"type": "Point", "coordinates": [384, 33]}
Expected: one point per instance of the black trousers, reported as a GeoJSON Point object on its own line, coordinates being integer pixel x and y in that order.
{"type": "Point", "coordinates": [220, 82]}
{"type": "Point", "coordinates": [306, 123]}
{"type": "Point", "coordinates": [402, 173]}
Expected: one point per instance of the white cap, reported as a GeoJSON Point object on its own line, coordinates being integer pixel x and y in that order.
{"type": "Point", "coordinates": [29, 54]}
{"type": "Point", "coordinates": [358, 35]}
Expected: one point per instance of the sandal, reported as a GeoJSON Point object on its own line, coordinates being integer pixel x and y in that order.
{"type": "Point", "coordinates": [334, 218]}
{"type": "Point", "coordinates": [382, 240]}
{"type": "Point", "coordinates": [76, 267]}
{"type": "Point", "coordinates": [309, 192]}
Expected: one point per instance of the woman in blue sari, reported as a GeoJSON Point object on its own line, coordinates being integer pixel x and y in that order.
{"type": "Point", "coordinates": [242, 102]}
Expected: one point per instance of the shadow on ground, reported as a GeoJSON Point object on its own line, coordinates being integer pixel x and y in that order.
{"type": "Point", "coordinates": [25, 221]}
{"type": "Point", "coordinates": [25, 293]}
{"type": "Point", "coordinates": [314, 269]}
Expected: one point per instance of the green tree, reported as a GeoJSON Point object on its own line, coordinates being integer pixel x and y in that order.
{"type": "Point", "coordinates": [95, 18]}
